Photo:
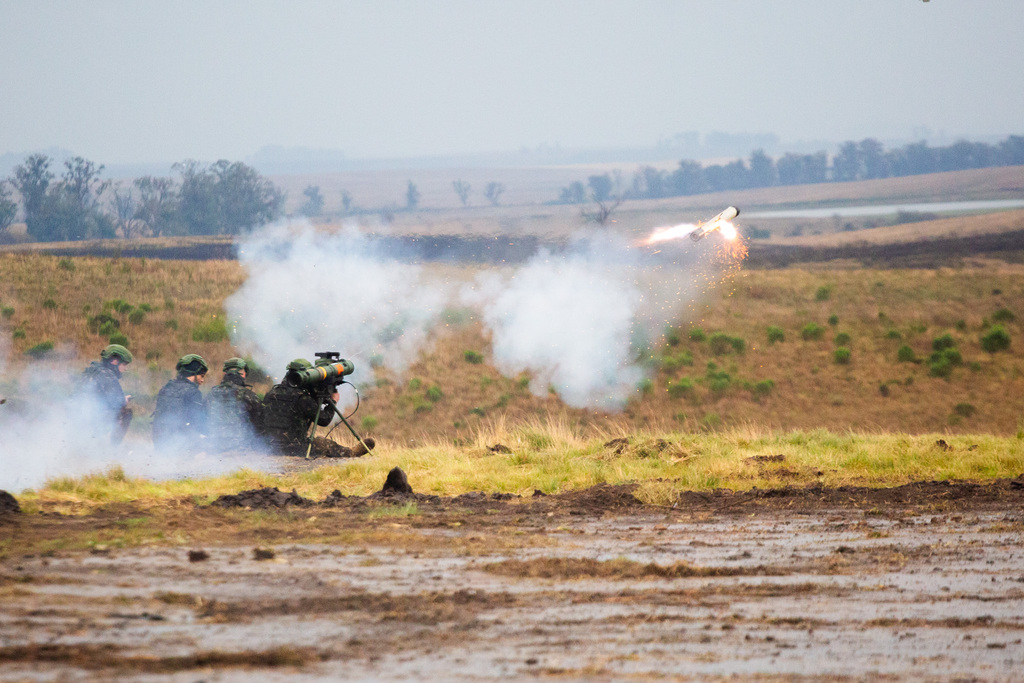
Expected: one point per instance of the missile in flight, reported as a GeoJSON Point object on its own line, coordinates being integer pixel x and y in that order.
{"type": "Point", "coordinates": [706, 228]}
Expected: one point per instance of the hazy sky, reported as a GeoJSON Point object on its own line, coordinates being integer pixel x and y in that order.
{"type": "Point", "coordinates": [129, 81]}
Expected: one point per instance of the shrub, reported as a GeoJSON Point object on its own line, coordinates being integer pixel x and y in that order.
{"type": "Point", "coordinates": [50, 303]}
{"type": "Point", "coordinates": [961, 325]}
{"type": "Point", "coordinates": [7, 312]}
{"type": "Point", "coordinates": [824, 293]}
{"type": "Point", "coordinates": [952, 356]}
{"type": "Point", "coordinates": [683, 387]}
{"type": "Point", "coordinates": [672, 337]}
{"type": "Point", "coordinates": [97, 323]}
{"type": "Point", "coordinates": [136, 316]}
{"type": "Point", "coordinates": [434, 394]}
{"type": "Point", "coordinates": [645, 386]}
{"type": "Point", "coordinates": [964, 409]}
{"type": "Point", "coordinates": [763, 388]}
{"type": "Point", "coordinates": [893, 334]}
{"type": "Point", "coordinates": [415, 383]}
{"type": "Point", "coordinates": [996, 339]}
{"type": "Point", "coordinates": [674, 362]}
{"type": "Point", "coordinates": [213, 330]}
{"type": "Point", "coordinates": [739, 345]}
{"type": "Point", "coordinates": [841, 355]}
{"type": "Point", "coordinates": [697, 335]}
{"type": "Point", "coordinates": [18, 333]}
{"type": "Point", "coordinates": [812, 331]}
{"type": "Point", "coordinates": [145, 308]}
{"type": "Point", "coordinates": [776, 334]}
{"type": "Point", "coordinates": [474, 357]}
{"type": "Point", "coordinates": [368, 423]}
{"type": "Point", "coordinates": [721, 344]}
{"type": "Point", "coordinates": [718, 380]}
{"type": "Point", "coordinates": [940, 367]}
{"type": "Point", "coordinates": [883, 389]}
{"type": "Point", "coordinates": [946, 341]}
{"type": "Point", "coordinates": [905, 354]}
{"type": "Point", "coordinates": [1003, 315]}
{"type": "Point", "coordinates": [171, 324]}
{"type": "Point", "coordinates": [40, 349]}
{"type": "Point", "coordinates": [842, 339]}
{"type": "Point", "coordinates": [109, 327]}
{"type": "Point", "coordinates": [833, 320]}
{"type": "Point", "coordinates": [119, 339]}
{"type": "Point", "coordinates": [119, 305]}
{"type": "Point", "coordinates": [66, 264]}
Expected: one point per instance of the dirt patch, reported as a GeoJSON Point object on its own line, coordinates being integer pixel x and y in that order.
{"type": "Point", "coordinates": [102, 657]}
{"type": "Point", "coordinates": [261, 499]}
{"type": "Point", "coordinates": [579, 568]}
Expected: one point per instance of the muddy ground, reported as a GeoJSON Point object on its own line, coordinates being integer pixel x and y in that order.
{"type": "Point", "coordinates": [922, 583]}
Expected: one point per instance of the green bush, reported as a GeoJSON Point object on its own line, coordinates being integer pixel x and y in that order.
{"type": "Point", "coordinates": [474, 357]}
{"type": "Point", "coordinates": [136, 316]}
{"type": "Point", "coordinates": [841, 355]}
{"type": "Point", "coordinates": [645, 386]}
{"type": "Point", "coordinates": [1003, 315]}
{"type": "Point", "coordinates": [18, 333]}
{"type": "Point", "coordinates": [824, 293]}
{"type": "Point", "coordinates": [833, 320]}
{"type": "Point", "coordinates": [7, 312]}
{"type": "Point", "coordinates": [842, 339]}
{"type": "Point", "coordinates": [415, 383]}
{"type": "Point", "coordinates": [697, 335]}
{"type": "Point", "coordinates": [964, 409]}
{"type": "Point", "coordinates": [119, 339]}
{"type": "Point", "coordinates": [812, 331]}
{"type": "Point", "coordinates": [214, 330]}
{"type": "Point", "coordinates": [941, 367]}
{"type": "Point", "coordinates": [434, 394]}
{"type": "Point", "coordinates": [171, 324]}
{"type": "Point", "coordinates": [101, 321]}
{"type": "Point", "coordinates": [961, 325]}
{"type": "Point", "coordinates": [776, 334]}
{"type": "Point", "coordinates": [946, 341]}
{"type": "Point", "coordinates": [893, 334]}
{"type": "Point", "coordinates": [119, 305]}
{"type": "Point", "coordinates": [50, 304]}
{"type": "Point", "coordinates": [145, 308]}
{"type": "Point", "coordinates": [763, 388]}
{"type": "Point", "coordinates": [66, 264]}
{"type": "Point", "coordinates": [678, 389]}
{"type": "Point", "coordinates": [674, 362]}
{"type": "Point", "coordinates": [905, 354]}
{"type": "Point", "coordinates": [40, 349]}
{"type": "Point", "coordinates": [368, 423]}
{"type": "Point", "coordinates": [672, 337]}
{"type": "Point", "coordinates": [718, 380]}
{"type": "Point", "coordinates": [109, 327]}
{"type": "Point", "coordinates": [376, 361]}
{"type": "Point", "coordinates": [721, 344]}
{"type": "Point", "coordinates": [951, 356]}
{"type": "Point", "coordinates": [996, 339]}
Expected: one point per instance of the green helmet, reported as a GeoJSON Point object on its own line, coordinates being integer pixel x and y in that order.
{"type": "Point", "coordinates": [234, 364]}
{"type": "Point", "coordinates": [191, 364]}
{"type": "Point", "coordinates": [300, 364]}
{"type": "Point", "coordinates": [116, 351]}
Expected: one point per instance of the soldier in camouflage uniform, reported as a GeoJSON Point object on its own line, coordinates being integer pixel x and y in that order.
{"type": "Point", "coordinates": [101, 381]}
{"type": "Point", "coordinates": [234, 410]}
{"type": "Point", "coordinates": [179, 421]}
{"type": "Point", "coordinates": [288, 414]}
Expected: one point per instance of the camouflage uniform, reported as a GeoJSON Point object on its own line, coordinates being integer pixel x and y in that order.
{"type": "Point", "coordinates": [102, 381]}
{"type": "Point", "coordinates": [288, 413]}
{"type": "Point", "coordinates": [235, 414]}
{"type": "Point", "coordinates": [179, 420]}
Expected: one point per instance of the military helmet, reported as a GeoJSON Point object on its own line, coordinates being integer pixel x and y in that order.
{"type": "Point", "coordinates": [191, 364]}
{"type": "Point", "coordinates": [116, 351]}
{"type": "Point", "coordinates": [234, 364]}
{"type": "Point", "coordinates": [300, 364]}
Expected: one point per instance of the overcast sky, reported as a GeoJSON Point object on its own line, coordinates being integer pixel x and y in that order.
{"type": "Point", "coordinates": [134, 81]}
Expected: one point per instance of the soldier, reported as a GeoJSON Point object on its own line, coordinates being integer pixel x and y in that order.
{"type": "Point", "coordinates": [179, 420]}
{"type": "Point", "coordinates": [102, 381]}
{"type": "Point", "coordinates": [288, 414]}
{"type": "Point", "coordinates": [235, 411]}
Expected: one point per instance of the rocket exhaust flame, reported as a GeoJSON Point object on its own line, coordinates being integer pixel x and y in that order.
{"type": "Point", "coordinates": [697, 232]}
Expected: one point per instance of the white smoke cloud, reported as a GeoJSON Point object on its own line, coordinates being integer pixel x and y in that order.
{"type": "Point", "coordinates": [579, 322]}
{"type": "Point", "coordinates": [49, 430]}
{"type": "Point", "coordinates": [310, 291]}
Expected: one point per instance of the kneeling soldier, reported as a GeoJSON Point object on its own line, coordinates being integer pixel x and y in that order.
{"type": "Point", "coordinates": [101, 381]}
{"type": "Point", "coordinates": [234, 410]}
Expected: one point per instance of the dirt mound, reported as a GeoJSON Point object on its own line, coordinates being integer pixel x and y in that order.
{"type": "Point", "coordinates": [8, 504]}
{"type": "Point", "coordinates": [263, 498]}
{"type": "Point", "coordinates": [599, 498]}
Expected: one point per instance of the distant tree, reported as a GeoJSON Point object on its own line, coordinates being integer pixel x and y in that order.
{"type": "Point", "coordinates": [32, 179]}
{"type": "Point", "coordinates": [126, 219]}
{"type": "Point", "coordinates": [8, 209]}
{"type": "Point", "coordinates": [573, 193]}
{"type": "Point", "coordinates": [801, 169]}
{"type": "Point", "coordinates": [346, 202]}
{"type": "Point", "coordinates": [846, 164]}
{"type": "Point", "coordinates": [650, 183]}
{"type": "Point", "coordinates": [462, 189]}
{"type": "Point", "coordinates": [493, 192]}
{"type": "Point", "coordinates": [762, 170]}
{"type": "Point", "coordinates": [687, 179]}
{"type": "Point", "coordinates": [1010, 151]}
{"type": "Point", "coordinates": [158, 206]}
{"type": "Point", "coordinates": [600, 187]}
{"type": "Point", "coordinates": [314, 204]}
{"type": "Point", "coordinates": [872, 157]}
{"type": "Point", "coordinates": [412, 196]}
{"type": "Point", "coordinates": [602, 213]}
{"type": "Point", "coordinates": [225, 198]}
{"type": "Point", "coordinates": [736, 175]}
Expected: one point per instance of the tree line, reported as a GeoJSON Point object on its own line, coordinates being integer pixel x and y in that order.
{"type": "Point", "coordinates": [222, 198]}
{"type": "Point", "coordinates": [862, 160]}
